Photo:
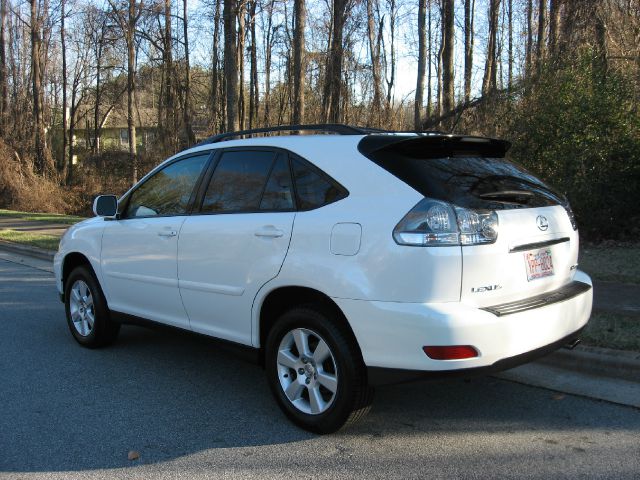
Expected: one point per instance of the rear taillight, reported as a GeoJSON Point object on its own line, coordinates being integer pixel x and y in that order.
{"type": "Point", "coordinates": [436, 223]}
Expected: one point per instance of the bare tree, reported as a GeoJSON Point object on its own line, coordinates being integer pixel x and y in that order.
{"type": "Point", "coordinates": [127, 17]}
{"type": "Point", "coordinates": [254, 97]}
{"type": "Point", "coordinates": [230, 13]}
{"type": "Point", "coordinates": [216, 101]}
{"type": "Point", "coordinates": [298, 61]}
{"type": "Point", "coordinates": [422, 60]}
{"type": "Point", "coordinates": [63, 47]}
{"type": "Point", "coordinates": [490, 71]}
{"type": "Point", "coordinates": [469, 10]}
{"type": "Point", "coordinates": [4, 90]}
{"type": "Point", "coordinates": [510, 42]}
{"type": "Point", "coordinates": [333, 76]}
{"type": "Point", "coordinates": [167, 103]}
{"type": "Point", "coordinates": [554, 25]}
{"type": "Point", "coordinates": [374, 35]}
{"type": "Point", "coordinates": [529, 46]}
{"type": "Point", "coordinates": [43, 158]}
{"type": "Point", "coordinates": [186, 111]}
{"type": "Point", "coordinates": [541, 45]}
{"type": "Point", "coordinates": [448, 100]}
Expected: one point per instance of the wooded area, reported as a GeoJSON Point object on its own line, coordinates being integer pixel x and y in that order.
{"type": "Point", "coordinates": [560, 79]}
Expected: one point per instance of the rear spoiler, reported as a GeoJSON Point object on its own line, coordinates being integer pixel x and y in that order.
{"type": "Point", "coordinates": [433, 145]}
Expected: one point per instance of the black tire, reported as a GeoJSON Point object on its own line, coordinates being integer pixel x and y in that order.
{"type": "Point", "coordinates": [104, 331]}
{"type": "Point", "coordinates": [353, 396]}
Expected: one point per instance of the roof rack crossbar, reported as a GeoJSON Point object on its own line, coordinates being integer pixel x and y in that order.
{"type": "Point", "coordinates": [328, 127]}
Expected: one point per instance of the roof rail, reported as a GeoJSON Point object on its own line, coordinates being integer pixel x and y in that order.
{"type": "Point", "coordinates": [328, 127]}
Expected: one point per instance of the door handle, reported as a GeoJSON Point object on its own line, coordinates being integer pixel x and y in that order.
{"type": "Point", "coordinates": [167, 233]}
{"type": "Point", "coordinates": [269, 231]}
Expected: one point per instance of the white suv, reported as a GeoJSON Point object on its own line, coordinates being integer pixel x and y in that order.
{"type": "Point", "coordinates": [338, 262]}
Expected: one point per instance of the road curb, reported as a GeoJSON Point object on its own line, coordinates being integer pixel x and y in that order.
{"type": "Point", "coordinates": [28, 251]}
{"type": "Point", "coordinates": [603, 362]}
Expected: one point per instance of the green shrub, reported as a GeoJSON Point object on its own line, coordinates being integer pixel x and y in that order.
{"type": "Point", "coordinates": [579, 129]}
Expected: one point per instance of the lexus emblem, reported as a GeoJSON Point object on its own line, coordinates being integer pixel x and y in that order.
{"type": "Point", "coordinates": [542, 222]}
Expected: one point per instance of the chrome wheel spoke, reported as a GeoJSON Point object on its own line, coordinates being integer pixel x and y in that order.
{"type": "Point", "coordinates": [294, 391]}
{"type": "Point", "coordinates": [302, 342]}
{"type": "Point", "coordinates": [321, 353]}
{"type": "Point", "coordinates": [75, 295]}
{"type": "Point", "coordinates": [287, 359]}
{"type": "Point", "coordinates": [90, 320]}
{"type": "Point", "coordinates": [316, 401]}
{"type": "Point", "coordinates": [328, 381]}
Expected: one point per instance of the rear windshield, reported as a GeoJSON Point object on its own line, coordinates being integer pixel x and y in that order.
{"type": "Point", "coordinates": [470, 181]}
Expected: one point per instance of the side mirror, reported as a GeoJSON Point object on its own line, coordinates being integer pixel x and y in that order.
{"type": "Point", "coordinates": [105, 206]}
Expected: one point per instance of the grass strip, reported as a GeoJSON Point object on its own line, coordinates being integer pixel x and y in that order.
{"type": "Point", "coordinates": [47, 242]}
{"type": "Point", "coordinates": [611, 263]}
{"type": "Point", "coordinates": [613, 330]}
{"type": "Point", "coordinates": [41, 217]}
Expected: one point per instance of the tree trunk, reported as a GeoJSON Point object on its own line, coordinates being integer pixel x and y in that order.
{"type": "Point", "coordinates": [333, 89]}
{"type": "Point", "coordinates": [422, 59]}
{"type": "Point", "coordinates": [253, 90]}
{"type": "Point", "coordinates": [240, 56]}
{"type": "Point", "coordinates": [554, 25]}
{"type": "Point", "coordinates": [529, 47]}
{"type": "Point", "coordinates": [429, 62]}
{"type": "Point", "coordinates": [131, 88]}
{"type": "Point", "coordinates": [540, 50]}
{"type": "Point", "coordinates": [63, 47]}
{"type": "Point", "coordinates": [374, 55]}
{"type": "Point", "coordinates": [489, 79]}
{"type": "Point", "coordinates": [43, 160]}
{"type": "Point", "coordinates": [230, 13]}
{"type": "Point", "coordinates": [392, 33]}
{"type": "Point", "coordinates": [215, 77]}
{"type": "Point", "coordinates": [298, 61]}
{"type": "Point", "coordinates": [186, 112]}
{"type": "Point", "coordinates": [169, 103]}
{"type": "Point", "coordinates": [267, 63]}
{"type": "Point", "coordinates": [448, 98]}
{"type": "Point", "coordinates": [510, 44]}
{"type": "Point", "coordinates": [4, 92]}
{"type": "Point", "coordinates": [469, 10]}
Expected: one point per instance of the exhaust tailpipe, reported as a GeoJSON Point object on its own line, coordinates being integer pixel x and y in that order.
{"type": "Point", "coordinates": [573, 344]}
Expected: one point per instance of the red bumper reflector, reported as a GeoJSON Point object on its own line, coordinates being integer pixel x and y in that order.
{"type": "Point", "coordinates": [451, 352]}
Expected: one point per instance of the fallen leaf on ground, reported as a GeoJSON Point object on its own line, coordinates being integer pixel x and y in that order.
{"type": "Point", "coordinates": [133, 455]}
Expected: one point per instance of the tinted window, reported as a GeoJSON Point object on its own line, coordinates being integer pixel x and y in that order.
{"type": "Point", "coordinates": [168, 191]}
{"type": "Point", "coordinates": [238, 182]}
{"type": "Point", "coordinates": [278, 193]}
{"type": "Point", "coordinates": [312, 188]}
{"type": "Point", "coordinates": [468, 178]}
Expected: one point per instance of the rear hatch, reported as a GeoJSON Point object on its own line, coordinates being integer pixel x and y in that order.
{"type": "Point", "coordinates": [536, 248]}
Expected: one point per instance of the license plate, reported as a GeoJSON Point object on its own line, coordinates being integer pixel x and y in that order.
{"type": "Point", "coordinates": [539, 264]}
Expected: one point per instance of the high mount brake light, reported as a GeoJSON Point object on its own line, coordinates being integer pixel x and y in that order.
{"type": "Point", "coordinates": [437, 223]}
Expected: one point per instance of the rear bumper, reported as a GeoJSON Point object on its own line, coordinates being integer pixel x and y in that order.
{"type": "Point", "coordinates": [391, 334]}
{"type": "Point", "coordinates": [388, 376]}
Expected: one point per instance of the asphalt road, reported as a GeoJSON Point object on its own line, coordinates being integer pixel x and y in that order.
{"type": "Point", "coordinates": [193, 411]}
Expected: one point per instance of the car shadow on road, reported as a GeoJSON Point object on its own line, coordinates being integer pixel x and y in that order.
{"type": "Point", "coordinates": [169, 394]}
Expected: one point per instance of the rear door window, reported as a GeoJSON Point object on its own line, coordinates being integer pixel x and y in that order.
{"type": "Point", "coordinates": [313, 188]}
